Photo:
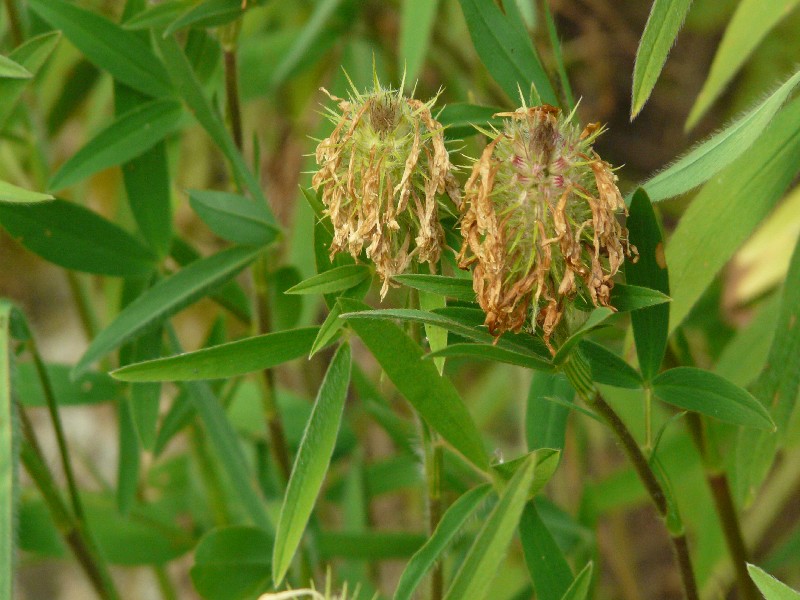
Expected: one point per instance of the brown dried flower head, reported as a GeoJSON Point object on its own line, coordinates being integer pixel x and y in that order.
{"type": "Point", "coordinates": [540, 221]}
{"type": "Point", "coordinates": [380, 171]}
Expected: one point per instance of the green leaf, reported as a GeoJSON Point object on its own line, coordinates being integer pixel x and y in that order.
{"type": "Point", "coordinates": [311, 463]}
{"type": "Point", "coordinates": [12, 193]}
{"type": "Point", "coordinates": [608, 368]}
{"type": "Point", "coordinates": [735, 201]}
{"type": "Point", "coordinates": [595, 319]}
{"type": "Point", "coordinates": [546, 460]}
{"type": "Point", "coordinates": [74, 237]}
{"type": "Point", "coordinates": [546, 422]}
{"type": "Point", "coordinates": [436, 336]}
{"type": "Point", "coordinates": [650, 325]}
{"type": "Point", "coordinates": [210, 13]}
{"type": "Point", "coordinates": [507, 53]}
{"type": "Point", "coordinates": [711, 395]}
{"type": "Point", "coordinates": [337, 279]}
{"type": "Point", "coordinates": [369, 545]}
{"type": "Point", "coordinates": [579, 590]}
{"type": "Point", "coordinates": [332, 325]}
{"type": "Point", "coordinates": [719, 151]}
{"type": "Point", "coordinates": [462, 120]}
{"type": "Point", "coordinates": [474, 578]}
{"type": "Point", "coordinates": [434, 397]}
{"type": "Point", "coordinates": [452, 287]}
{"type": "Point", "coordinates": [308, 37]}
{"type": "Point", "coordinates": [92, 387]}
{"type": "Point", "coordinates": [232, 563]}
{"type": "Point", "coordinates": [147, 182]}
{"type": "Point", "coordinates": [234, 217]}
{"type": "Point", "coordinates": [627, 298]}
{"type": "Point", "coordinates": [449, 526]}
{"type": "Point", "coordinates": [158, 16]}
{"type": "Point", "coordinates": [32, 55]}
{"type": "Point", "coordinates": [165, 298]}
{"type": "Point", "coordinates": [493, 353]}
{"type": "Point", "coordinates": [9, 485]}
{"type": "Point", "coordinates": [777, 385]}
{"type": "Point", "coordinates": [11, 70]}
{"type": "Point", "coordinates": [771, 587]}
{"type": "Point", "coordinates": [665, 21]}
{"type": "Point", "coordinates": [189, 88]}
{"type": "Point", "coordinates": [416, 23]}
{"type": "Point", "coordinates": [751, 22]}
{"type": "Point", "coordinates": [226, 360]}
{"type": "Point", "coordinates": [108, 46]}
{"type": "Point", "coordinates": [129, 136]}
{"type": "Point", "coordinates": [549, 569]}
{"type": "Point", "coordinates": [128, 458]}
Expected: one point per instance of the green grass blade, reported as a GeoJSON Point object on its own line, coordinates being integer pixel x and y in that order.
{"type": "Point", "coordinates": [710, 157]}
{"type": "Point", "coordinates": [189, 88]}
{"type": "Point", "coordinates": [665, 21]}
{"type": "Point", "coordinates": [735, 201]}
{"type": "Point", "coordinates": [226, 360]}
{"type": "Point", "coordinates": [751, 22]}
{"type": "Point", "coordinates": [416, 24]}
{"type": "Point", "coordinates": [166, 298]}
{"type": "Point", "coordinates": [711, 395]}
{"type": "Point", "coordinates": [8, 458]}
{"type": "Point", "coordinates": [74, 237]}
{"type": "Point", "coordinates": [311, 463]}
{"type": "Point", "coordinates": [434, 397]}
{"type": "Point", "coordinates": [108, 46]}
{"type": "Point", "coordinates": [129, 136]}
{"type": "Point", "coordinates": [450, 525]}
{"type": "Point", "coordinates": [474, 578]}
{"type": "Point", "coordinates": [506, 52]}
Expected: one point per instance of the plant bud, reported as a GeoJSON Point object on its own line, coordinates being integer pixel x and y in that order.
{"type": "Point", "coordinates": [540, 222]}
{"type": "Point", "coordinates": [380, 171]}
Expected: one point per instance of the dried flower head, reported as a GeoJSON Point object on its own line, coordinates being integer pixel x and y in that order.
{"type": "Point", "coordinates": [540, 221]}
{"type": "Point", "coordinates": [380, 171]}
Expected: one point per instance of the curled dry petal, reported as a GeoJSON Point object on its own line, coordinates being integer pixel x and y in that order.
{"type": "Point", "coordinates": [539, 222]}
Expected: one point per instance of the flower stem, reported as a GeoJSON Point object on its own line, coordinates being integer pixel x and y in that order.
{"type": "Point", "coordinates": [577, 371]}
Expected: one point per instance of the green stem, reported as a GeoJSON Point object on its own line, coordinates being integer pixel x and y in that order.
{"type": "Point", "coordinates": [232, 95]}
{"type": "Point", "coordinates": [73, 531]}
{"type": "Point", "coordinates": [83, 305]}
{"type": "Point", "coordinates": [648, 419]}
{"type": "Point", "coordinates": [168, 591]}
{"type": "Point", "coordinates": [52, 407]}
{"type": "Point", "coordinates": [577, 371]}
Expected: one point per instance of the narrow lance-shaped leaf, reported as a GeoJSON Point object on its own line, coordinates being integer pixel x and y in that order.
{"type": "Point", "coordinates": [74, 237]}
{"type": "Point", "coordinates": [450, 525]}
{"type": "Point", "coordinates": [434, 397]}
{"type": "Point", "coordinates": [166, 298]}
{"type": "Point", "coordinates": [337, 279]}
{"type": "Point", "coordinates": [233, 217]}
{"type": "Point", "coordinates": [474, 578]}
{"type": "Point", "coordinates": [650, 325]}
{"type": "Point", "coordinates": [579, 590]}
{"type": "Point", "coordinates": [751, 22]}
{"type": "Point", "coordinates": [771, 587]}
{"type": "Point", "coordinates": [11, 70]}
{"type": "Point", "coordinates": [549, 569]}
{"type": "Point", "coordinates": [226, 360]}
{"type": "Point", "coordinates": [665, 20]}
{"type": "Point", "coordinates": [711, 156]}
{"type": "Point", "coordinates": [507, 53]}
{"type": "Point", "coordinates": [12, 193]}
{"type": "Point", "coordinates": [126, 138]}
{"type": "Point", "coordinates": [711, 395]}
{"type": "Point", "coordinates": [311, 462]}
{"type": "Point", "coordinates": [108, 46]}
{"type": "Point", "coordinates": [416, 23]}
{"type": "Point", "coordinates": [735, 201]}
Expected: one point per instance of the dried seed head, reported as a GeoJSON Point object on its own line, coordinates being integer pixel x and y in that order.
{"type": "Point", "coordinates": [380, 171]}
{"type": "Point", "coordinates": [540, 221]}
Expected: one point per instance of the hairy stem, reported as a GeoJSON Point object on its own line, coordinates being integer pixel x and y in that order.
{"type": "Point", "coordinates": [576, 370]}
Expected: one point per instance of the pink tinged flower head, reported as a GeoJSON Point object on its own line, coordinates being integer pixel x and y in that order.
{"type": "Point", "coordinates": [537, 242]}
{"type": "Point", "coordinates": [380, 172]}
